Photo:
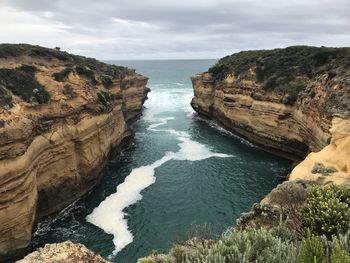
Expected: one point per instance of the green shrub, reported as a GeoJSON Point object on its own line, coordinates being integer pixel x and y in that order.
{"type": "Point", "coordinates": [339, 255]}
{"type": "Point", "coordinates": [5, 98]}
{"type": "Point", "coordinates": [87, 72]}
{"type": "Point", "coordinates": [62, 75]}
{"type": "Point", "coordinates": [22, 82]}
{"type": "Point", "coordinates": [252, 245]}
{"type": "Point", "coordinates": [104, 98]}
{"type": "Point", "coordinates": [312, 250]}
{"type": "Point", "coordinates": [28, 69]}
{"type": "Point", "coordinates": [279, 69]}
{"type": "Point", "coordinates": [343, 240]}
{"type": "Point", "coordinates": [283, 232]}
{"type": "Point", "coordinates": [326, 213]}
{"type": "Point", "coordinates": [89, 67]}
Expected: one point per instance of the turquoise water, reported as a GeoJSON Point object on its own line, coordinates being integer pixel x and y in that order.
{"type": "Point", "coordinates": [180, 171]}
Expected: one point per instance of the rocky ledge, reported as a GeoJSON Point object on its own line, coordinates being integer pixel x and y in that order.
{"type": "Point", "coordinates": [61, 117]}
{"type": "Point", "coordinates": [63, 252]}
{"type": "Point", "coordinates": [293, 101]}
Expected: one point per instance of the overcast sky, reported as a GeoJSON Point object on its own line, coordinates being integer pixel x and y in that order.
{"type": "Point", "coordinates": [167, 29]}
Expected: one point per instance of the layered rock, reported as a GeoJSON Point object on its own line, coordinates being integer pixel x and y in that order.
{"type": "Point", "coordinates": [292, 101]}
{"type": "Point", "coordinates": [57, 131]}
{"type": "Point", "coordinates": [62, 252]}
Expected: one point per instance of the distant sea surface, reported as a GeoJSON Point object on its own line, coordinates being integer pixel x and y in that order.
{"type": "Point", "coordinates": [181, 171]}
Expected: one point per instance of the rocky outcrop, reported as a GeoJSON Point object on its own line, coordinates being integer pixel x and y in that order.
{"type": "Point", "coordinates": [293, 101]}
{"type": "Point", "coordinates": [334, 158]}
{"type": "Point", "coordinates": [62, 252]}
{"type": "Point", "coordinates": [61, 118]}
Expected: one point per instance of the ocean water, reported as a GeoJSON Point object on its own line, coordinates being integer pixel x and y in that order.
{"type": "Point", "coordinates": [181, 171]}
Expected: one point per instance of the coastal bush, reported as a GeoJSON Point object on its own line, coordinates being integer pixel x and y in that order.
{"type": "Point", "coordinates": [87, 72]}
{"type": "Point", "coordinates": [22, 82]}
{"type": "Point", "coordinates": [104, 98]}
{"type": "Point", "coordinates": [290, 196]}
{"type": "Point", "coordinates": [253, 245]}
{"type": "Point", "coordinates": [5, 98]}
{"type": "Point", "coordinates": [281, 69]}
{"type": "Point", "coordinates": [312, 250]}
{"type": "Point", "coordinates": [339, 255]}
{"type": "Point", "coordinates": [260, 215]}
{"type": "Point", "coordinates": [62, 75]}
{"type": "Point", "coordinates": [106, 81]}
{"type": "Point", "coordinates": [326, 212]}
{"type": "Point", "coordinates": [283, 232]}
{"type": "Point", "coordinates": [89, 67]}
{"type": "Point", "coordinates": [343, 240]}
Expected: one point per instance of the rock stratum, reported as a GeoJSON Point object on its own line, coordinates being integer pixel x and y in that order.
{"type": "Point", "coordinates": [293, 101]}
{"type": "Point", "coordinates": [61, 118]}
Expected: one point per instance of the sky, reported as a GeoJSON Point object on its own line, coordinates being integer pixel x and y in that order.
{"type": "Point", "coordinates": [167, 29]}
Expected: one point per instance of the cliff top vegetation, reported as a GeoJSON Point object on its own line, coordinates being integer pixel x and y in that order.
{"type": "Point", "coordinates": [287, 69]}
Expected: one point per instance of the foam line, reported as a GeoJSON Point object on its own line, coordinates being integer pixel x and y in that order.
{"type": "Point", "coordinates": [109, 215]}
{"type": "Point", "coordinates": [161, 122]}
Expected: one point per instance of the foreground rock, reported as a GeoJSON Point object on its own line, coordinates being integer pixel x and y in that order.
{"type": "Point", "coordinates": [293, 101]}
{"type": "Point", "coordinates": [61, 118]}
{"type": "Point", "coordinates": [63, 252]}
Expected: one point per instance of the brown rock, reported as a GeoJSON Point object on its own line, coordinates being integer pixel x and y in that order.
{"type": "Point", "coordinates": [62, 252]}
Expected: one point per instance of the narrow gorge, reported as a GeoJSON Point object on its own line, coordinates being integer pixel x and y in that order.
{"type": "Point", "coordinates": [205, 150]}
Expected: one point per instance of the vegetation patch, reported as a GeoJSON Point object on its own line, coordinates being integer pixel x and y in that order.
{"type": "Point", "coordinates": [324, 238]}
{"type": "Point", "coordinates": [322, 169]}
{"type": "Point", "coordinates": [62, 75]}
{"type": "Point", "coordinates": [327, 210]}
{"type": "Point", "coordinates": [22, 82]}
{"type": "Point", "coordinates": [5, 98]}
{"type": "Point", "coordinates": [285, 70]}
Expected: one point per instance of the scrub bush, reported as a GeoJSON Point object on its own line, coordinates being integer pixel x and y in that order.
{"type": "Point", "coordinates": [326, 212]}
{"type": "Point", "coordinates": [23, 83]}
{"type": "Point", "coordinates": [253, 245]}
{"type": "Point", "coordinates": [339, 255]}
{"type": "Point", "coordinates": [312, 250]}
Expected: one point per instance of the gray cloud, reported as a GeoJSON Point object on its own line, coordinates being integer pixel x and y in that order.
{"type": "Point", "coordinates": [110, 29]}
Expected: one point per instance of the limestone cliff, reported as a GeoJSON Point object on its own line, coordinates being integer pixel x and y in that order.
{"type": "Point", "coordinates": [294, 101]}
{"type": "Point", "coordinates": [61, 118]}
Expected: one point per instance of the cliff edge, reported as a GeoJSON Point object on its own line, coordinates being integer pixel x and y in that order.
{"type": "Point", "coordinates": [293, 101]}
{"type": "Point", "coordinates": [61, 117]}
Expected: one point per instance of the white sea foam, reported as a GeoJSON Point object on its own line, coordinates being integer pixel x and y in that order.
{"type": "Point", "coordinates": [162, 121]}
{"type": "Point", "coordinates": [109, 215]}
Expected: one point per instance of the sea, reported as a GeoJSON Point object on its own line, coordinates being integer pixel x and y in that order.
{"type": "Point", "coordinates": [182, 173]}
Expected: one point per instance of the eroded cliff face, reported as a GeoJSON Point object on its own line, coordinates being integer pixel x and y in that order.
{"type": "Point", "coordinates": [298, 107]}
{"type": "Point", "coordinates": [56, 137]}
